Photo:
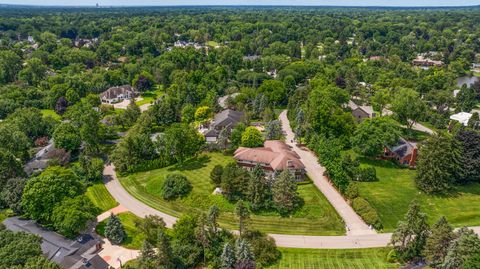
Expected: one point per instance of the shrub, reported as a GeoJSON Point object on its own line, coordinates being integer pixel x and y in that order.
{"type": "Point", "coordinates": [352, 191]}
{"type": "Point", "coordinates": [392, 256]}
{"type": "Point", "coordinates": [263, 247]}
{"type": "Point", "coordinates": [367, 174]}
{"type": "Point", "coordinates": [175, 186]}
{"type": "Point", "coordinates": [216, 175]}
{"type": "Point", "coordinates": [367, 212]}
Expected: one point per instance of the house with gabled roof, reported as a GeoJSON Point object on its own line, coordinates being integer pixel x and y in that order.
{"type": "Point", "coordinates": [81, 253]}
{"type": "Point", "coordinates": [361, 112]}
{"type": "Point", "coordinates": [404, 152]}
{"type": "Point", "coordinates": [227, 119]}
{"type": "Point", "coordinates": [274, 157]}
{"type": "Point", "coordinates": [118, 94]}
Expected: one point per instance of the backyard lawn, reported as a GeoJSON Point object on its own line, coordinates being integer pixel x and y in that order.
{"type": "Point", "coordinates": [396, 189]}
{"type": "Point", "coordinates": [316, 217]}
{"type": "Point", "coordinates": [134, 239]}
{"type": "Point", "coordinates": [334, 259]}
{"type": "Point", "coordinates": [100, 197]}
{"type": "Point", "coordinates": [51, 113]}
{"type": "Point", "coordinates": [150, 96]}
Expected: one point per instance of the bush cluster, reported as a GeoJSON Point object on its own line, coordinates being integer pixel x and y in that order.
{"type": "Point", "coordinates": [367, 212]}
{"type": "Point", "coordinates": [175, 186]}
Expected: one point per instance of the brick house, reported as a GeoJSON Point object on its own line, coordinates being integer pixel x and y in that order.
{"type": "Point", "coordinates": [404, 152]}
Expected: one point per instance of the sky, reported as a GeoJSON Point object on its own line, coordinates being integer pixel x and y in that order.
{"type": "Point", "coordinates": [246, 2]}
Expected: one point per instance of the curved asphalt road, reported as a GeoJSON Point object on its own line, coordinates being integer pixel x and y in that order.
{"type": "Point", "coordinates": [358, 236]}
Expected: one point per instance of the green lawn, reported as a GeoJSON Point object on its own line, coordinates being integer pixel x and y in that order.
{"type": "Point", "coordinates": [395, 190]}
{"type": "Point", "coordinates": [134, 239]}
{"type": "Point", "coordinates": [150, 96]}
{"type": "Point", "coordinates": [334, 259]}
{"type": "Point", "coordinates": [51, 113]}
{"type": "Point", "coordinates": [212, 43]}
{"type": "Point", "coordinates": [100, 197]}
{"type": "Point", "coordinates": [316, 217]}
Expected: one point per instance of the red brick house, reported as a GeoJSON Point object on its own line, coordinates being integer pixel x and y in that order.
{"type": "Point", "coordinates": [403, 152]}
{"type": "Point", "coordinates": [275, 156]}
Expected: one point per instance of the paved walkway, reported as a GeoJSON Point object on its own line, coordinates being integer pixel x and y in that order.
{"type": "Point", "coordinates": [116, 210]}
{"type": "Point", "coordinates": [355, 224]}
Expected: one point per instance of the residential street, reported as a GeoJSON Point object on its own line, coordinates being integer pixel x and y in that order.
{"type": "Point", "coordinates": [355, 225]}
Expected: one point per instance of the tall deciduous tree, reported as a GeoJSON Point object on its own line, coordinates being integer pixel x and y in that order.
{"type": "Point", "coordinates": [216, 175]}
{"type": "Point", "coordinates": [72, 215]}
{"type": "Point", "coordinates": [372, 135]}
{"type": "Point", "coordinates": [44, 192]}
{"type": "Point", "coordinates": [380, 99]}
{"type": "Point", "coordinates": [408, 106]}
{"type": "Point", "coordinates": [66, 136]}
{"type": "Point", "coordinates": [252, 138]}
{"type": "Point", "coordinates": [438, 164]}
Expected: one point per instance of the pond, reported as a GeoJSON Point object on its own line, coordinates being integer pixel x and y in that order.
{"type": "Point", "coordinates": [466, 80]}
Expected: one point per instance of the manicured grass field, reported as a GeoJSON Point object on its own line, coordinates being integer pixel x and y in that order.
{"type": "Point", "coordinates": [150, 96]}
{"type": "Point", "coordinates": [316, 217]}
{"type": "Point", "coordinates": [100, 197]}
{"type": "Point", "coordinates": [396, 189]}
{"type": "Point", "coordinates": [51, 113]}
{"type": "Point", "coordinates": [134, 239]}
{"type": "Point", "coordinates": [334, 259]}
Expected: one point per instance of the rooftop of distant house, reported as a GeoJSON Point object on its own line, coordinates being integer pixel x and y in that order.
{"type": "Point", "coordinates": [366, 109]}
{"type": "Point", "coordinates": [114, 92]}
{"type": "Point", "coordinates": [69, 254]}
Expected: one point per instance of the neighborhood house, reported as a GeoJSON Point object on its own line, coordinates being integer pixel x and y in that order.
{"type": "Point", "coordinates": [81, 253]}
{"type": "Point", "coordinates": [403, 151]}
{"type": "Point", "coordinates": [227, 119]}
{"type": "Point", "coordinates": [118, 94]}
{"type": "Point", "coordinates": [425, 63]}
{"type": "Point", "coordinates": [361, 112]}
{"type": "Point", "coordinates": [462, 117]}
{"type": "Point", "coordinates": [274, 157]}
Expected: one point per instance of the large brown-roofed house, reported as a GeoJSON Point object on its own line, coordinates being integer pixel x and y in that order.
{"type": "Point", "coordinates": [118, 94]}
{"type": "Point", "coordinates": [275, 156]}
{"type": "Point", "coordinates": [361, 112]}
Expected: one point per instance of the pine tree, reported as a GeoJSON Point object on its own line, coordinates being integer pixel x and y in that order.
{"type": "Point", "coordinates": [284, 190]}
{"type": "Point", "coordinates": [243, 215]}
{"type": "Point", "coordinates": [411, 234]}
{"type": "Point", "coordinates": [222, 141]}
{"type": "Point", "coordinates": [273, 130]}
{"type": "Point", "coordinates": [114, 230]}
{"type": "Point", "coordinates": [438, 164]}
{"type": "Point", "coordinates": [213, 214]}
{"type": "Point", "coordinates": [164, 250]}
{"type": "Point", "coordinates": [216, 175]}
{"type": "Point", "coordinates": [258, 189]}
{"type": "Point", "coordinates": [465, 246]}
{"type": "Point", "coordinates": [228, 257]}
{"type": "Point", "coordinates": [243, 252]}
{"type": "Point", "coordinates": [147, 259]}
{"type": "Point", "coordinates": [438, 242]}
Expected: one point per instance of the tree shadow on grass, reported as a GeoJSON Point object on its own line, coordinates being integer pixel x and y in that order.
{"type": "Point", "coordinates": [192, 164]}
{"type": "Point", "coordinates": [379, 163]}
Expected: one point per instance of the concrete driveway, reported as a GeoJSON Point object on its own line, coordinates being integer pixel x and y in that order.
{"type": "Point", "coordinates": [354, 224]}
